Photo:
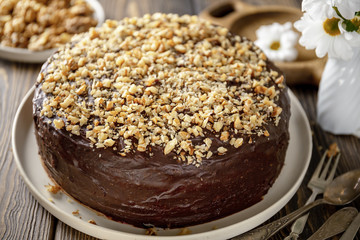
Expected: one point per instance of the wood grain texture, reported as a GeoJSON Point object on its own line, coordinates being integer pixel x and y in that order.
{"type": "Point", "coordinates": [66, 232]}
{"type": "Point", "coordinates": [21, 217]}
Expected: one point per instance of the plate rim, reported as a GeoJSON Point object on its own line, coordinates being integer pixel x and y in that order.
{"type": "Point", "coordinates": [220, 233]}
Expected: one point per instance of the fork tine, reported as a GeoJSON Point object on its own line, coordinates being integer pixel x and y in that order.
{"type": "Point", "coordinates": [332, 173]}
{"type": "Point", "coordinates": [317, 184]}
{"type": "Point", "coordinates": [326, 168]}
{"type": "Point", "coordinates": [319, 166]}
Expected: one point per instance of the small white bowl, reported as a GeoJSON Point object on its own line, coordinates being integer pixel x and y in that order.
{"type": "Point", "coordinates": [25, 55]}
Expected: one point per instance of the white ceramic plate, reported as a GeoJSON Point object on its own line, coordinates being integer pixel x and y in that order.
{"type": "Point", "coordinates": [25, 55]}
{"type": "Point", "coordinates": [26, 156]}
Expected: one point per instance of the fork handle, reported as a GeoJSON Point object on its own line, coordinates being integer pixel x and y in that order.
{"type": "Point", "coordinates": [298, 226]}
{"type": "Point", "coordinates": [270, 229]}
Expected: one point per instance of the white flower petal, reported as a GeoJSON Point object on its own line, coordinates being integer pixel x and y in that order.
{"type": "Point", "coordinates": [303, 23]}
{"type": "Point", "coordinates": [289, 39]}
{"type": "Point", "coordinates": [289, 54]}
{"type": "Point", "coordinates": [341, 48]}
{"type": "Point", "coordinates": [323, 46]}
{"type": "Point", "coordinates": [318, 9]}
{"type": "Point", "coordinates": [261, 32]}
{"type": "Point", "coordinates": [311, 35]}
{"type": "Point", "coordinates": [354, 40]}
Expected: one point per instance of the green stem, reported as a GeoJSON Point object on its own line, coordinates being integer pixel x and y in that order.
{"type": "Point", "coordinates": [338, 13]}
{"type": "Point", "coordinates": [349, 26]}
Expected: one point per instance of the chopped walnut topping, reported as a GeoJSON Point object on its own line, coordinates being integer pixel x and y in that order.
{"type": "Point", "coordinates": [218, 126]}
{"type": "Point", "coordinates": [238, 142]}
{"type": "Point", "coordinates": [224, 136]}
{"type": "Point", "coordinates": [92, 222]}
{"type": "Point", "coordinates": [76, 213]}
{"type": "Point", "coordinates": [53, 189]}
{"type": "Point", "coordinates": [109, 142]}
{"type": "Point", "coordinates": [222, 150]}
{"type": "Point", "coordinates": [39, 25]}
{"type": "Point", "coordinates": [162, 80]}
{"type": "Point", "coordinates": [333, 150]}
{"type": "Point", "coordinates": [151, 231]}
{"type": "Point", "coordinates": [170, 146]}
{"type": "Point", "coordinates": [59, 123]}
{"type": "Point", "coordinates": [266, 133]}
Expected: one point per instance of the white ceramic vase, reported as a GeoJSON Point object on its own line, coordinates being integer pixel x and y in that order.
{"type": "Point", "coordinates": [338, 106]}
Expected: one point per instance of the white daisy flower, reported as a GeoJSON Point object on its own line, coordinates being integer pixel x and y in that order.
{"type": "Point", "coordinates": [277, 41]}
{"type": "Point", "coordinates": [324, 35]}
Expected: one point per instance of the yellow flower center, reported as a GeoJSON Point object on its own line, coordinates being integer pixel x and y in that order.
{"type": "Point", "coordinates": [356, 21]}
{"type": "Point", "coordinates": [331, 26]}
{"type": "Point", "coordinates": [275, 45]}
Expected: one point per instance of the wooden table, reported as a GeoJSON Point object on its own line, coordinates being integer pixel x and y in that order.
{"type": "Point", "coordinates": [22, 217]}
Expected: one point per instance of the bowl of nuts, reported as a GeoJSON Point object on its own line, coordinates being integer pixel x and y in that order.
{"type": "Point", "coordinates": [31, 30]}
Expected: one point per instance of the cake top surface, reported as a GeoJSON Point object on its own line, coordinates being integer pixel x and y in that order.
{"type": "Point", "coordinates": [161, 80]}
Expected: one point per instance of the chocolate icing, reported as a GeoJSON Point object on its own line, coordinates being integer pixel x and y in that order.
{"type": "Point", "coordinates": [158, 191]}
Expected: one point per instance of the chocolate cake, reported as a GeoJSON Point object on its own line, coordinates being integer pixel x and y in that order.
{"type": "Point", "coordinates": [164, 120]}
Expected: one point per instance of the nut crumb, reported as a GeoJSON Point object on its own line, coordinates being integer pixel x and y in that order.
{"type": "Point", "coordinates": [333, 150]}
{"type": "Point", "coordinates": [54, 189]}
{"type": "Point", "coordinates": [76, 213]}
{"type": "Point", "coordinates": [59, 123]}
{"type": "Point", "coordinates": [238, 142]}
{"type": "Point", "coordinates": [92, 222]}
{"type": "Point", "coordinates": [151, 231]}
{"type": "Point", "coordinates": [221, 150]}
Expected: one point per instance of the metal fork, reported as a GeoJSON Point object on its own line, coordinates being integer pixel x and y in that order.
{"type": "Point", "coordinates": [318, 182]}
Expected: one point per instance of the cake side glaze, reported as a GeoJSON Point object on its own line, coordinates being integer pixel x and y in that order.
{"type": "Point", "coordinates": [160, 188]}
